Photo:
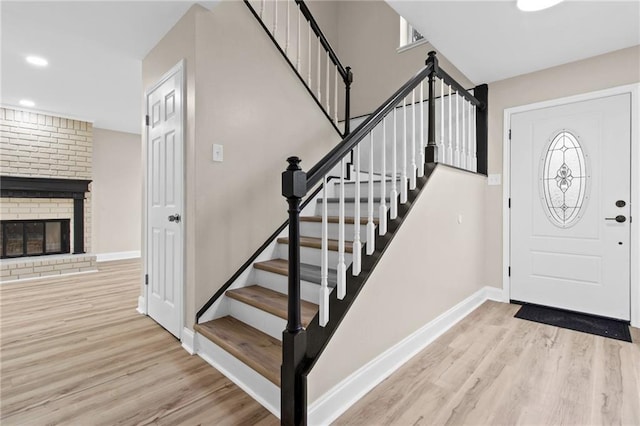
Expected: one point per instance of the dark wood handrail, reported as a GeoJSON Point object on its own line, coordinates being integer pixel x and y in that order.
{"type": "Point", "coordinates": [323, 40]}
{"type": "Point", "coordinates": [442, 74]}
{"type": "Point", "coordinates": [329, 161]}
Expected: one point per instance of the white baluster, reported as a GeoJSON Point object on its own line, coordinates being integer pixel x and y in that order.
{"type": "Point", "coordinates": [309, 58]}
{"type": "Point", "coordinates": [469, 154]}
{"type": "Point", "coordinates": [287, 30]}
{"type": "Point", "coordinates": [357, 244]}
{"type": "Point", "coordinates": [442, 155]}
{"type": "Point", "coordinates": [463, 147]}
{"type": "Point", "coordinates": [456, 160]}
{"type": "Point", "coordinates": [371, 228]}
{"type": "Point", "coordinates": [298, 45]}
{"type": "Point", "coordinates": [382, 218]}
{"type": "Point", "coordinates": [262, 8]}
{"type": "Point", "coordinates": [474, 138]}
{"type": "Point", "coordinates": [328, 99]}
{"type": "Point", "coordinates": [450, 145]}
{"type": "Point", "coordinates": [319, 72]}
{"type": "Point", "coordinates": [324, 261]}
{"type": "Point", "coordinates": [413, 170]}
{"type": "Point", "coordinates": [394, 170]}
{"type": "Point", "coordinates": [342, 267]}
{"type": "Point", "coordinates": [335, 97]}
{"type": "Point", "coordinates": [404, 184]}
{"type": "Point", "coordinates": [275, 18]}
{"type": "Point", "coordinates": [422, 142]}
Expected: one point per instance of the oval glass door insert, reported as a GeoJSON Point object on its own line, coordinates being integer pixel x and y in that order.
{"type": "Point", "coordinates": [563, 178]}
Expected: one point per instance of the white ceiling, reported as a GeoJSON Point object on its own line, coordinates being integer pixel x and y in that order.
{"type": "Point", "coordinates": [95, 51]}
{"type": "Point", "coordinates": [95, 48]}
{"type": "Point", "coordinates": [493, 40]}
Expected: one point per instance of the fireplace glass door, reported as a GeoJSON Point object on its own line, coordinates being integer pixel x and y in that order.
{"type": "Point", "coordinates": [19, 238]}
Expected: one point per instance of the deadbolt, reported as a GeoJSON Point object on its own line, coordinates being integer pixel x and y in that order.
{"type": "Point", "coordinates": [620, 218]}
{"type": "Point", "coordinates": [620, 203]}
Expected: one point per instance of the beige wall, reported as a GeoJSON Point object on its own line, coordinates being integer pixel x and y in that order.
{"type": "Point", "coordinates": [116, 191]}
{"type": "Point", "coordinates": [600, 72]}
{"type": "Point", "coordinates": [244, 96]}
{"type": "Point", "coordinates": [399, 298]}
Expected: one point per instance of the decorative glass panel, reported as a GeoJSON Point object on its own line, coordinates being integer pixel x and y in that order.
{"type": "Point", "coordinates": [563, 178]}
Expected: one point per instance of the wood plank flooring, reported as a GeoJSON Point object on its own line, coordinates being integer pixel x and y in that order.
{"type": "Point", "coordinates": [74, 351]}
{"type": "Point", "coordinates": [493, 369]}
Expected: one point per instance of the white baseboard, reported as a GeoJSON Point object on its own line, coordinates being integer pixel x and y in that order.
{"type": "Point", "coordinates": [121, 255]}
{"type": "Point", "coordinates": [496, 294]}
{"type": "Point", "coordinates": [337, 400]}
{"type": "Point", "coordinates": [188, 340]}
{"type": "Point", "coordinates": [142, 306]}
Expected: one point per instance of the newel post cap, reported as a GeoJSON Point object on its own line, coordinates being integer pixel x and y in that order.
{"type": "Point", "coordinates": [294, 180]}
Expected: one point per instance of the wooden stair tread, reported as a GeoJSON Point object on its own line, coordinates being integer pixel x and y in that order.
{"type": "Point", "coordinates": [258, 350]}
{"type": "Point", "coordinates": [336, 219]}
{"type": "Point", "coordinates": [272, 302]}
{"type": "Point", "coordinates": [314, 242]}
{"type": "Point", "coordinates": [352, 200]}
{"type": "Point", "coordinates": [310, 273]}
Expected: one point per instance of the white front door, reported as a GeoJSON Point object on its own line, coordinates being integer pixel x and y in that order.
{"type": "Point", "coordinates": [165, 201]}
{"type": "Point", "coordinates": [570, 181]}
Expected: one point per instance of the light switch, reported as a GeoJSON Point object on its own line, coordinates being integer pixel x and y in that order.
{"type": "Point", "coordinates": [460, 219]}
{"type": "Point", "coordinates": [218, 153]}
{"type": "Point", "coordinates": [494, 179]}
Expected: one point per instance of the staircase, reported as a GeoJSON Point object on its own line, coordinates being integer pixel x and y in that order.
{"type": "Point", "coordinates": [343, 213]}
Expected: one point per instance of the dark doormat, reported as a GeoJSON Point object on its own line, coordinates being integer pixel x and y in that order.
{"type": "Point", "coordinates": [599, 326]}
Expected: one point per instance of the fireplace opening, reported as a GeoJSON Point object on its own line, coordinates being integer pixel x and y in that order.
{"type": "Point", "coordinates": [21, 238]}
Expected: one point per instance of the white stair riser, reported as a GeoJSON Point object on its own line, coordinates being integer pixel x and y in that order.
{"type": "Point", "coordinates": [249, 380]}
{"type": "Point", "coordinates": [313, 256]}
{"type": "Point", "coordinates": [257, 318]}
{"type": "Point", "coordinates": [276, 282]}
{"type": "Point", "coordinates": [314, 229]}
{"type": "Point", "coordinates": [350, 188]}
{"type": "Point", "coordinates": [333, 209]}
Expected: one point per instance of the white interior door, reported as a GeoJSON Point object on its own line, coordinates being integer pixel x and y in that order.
{"type": "Point", "coordinates": [165, 201]}
{"type": "Point", "coordinates": [570, 179]}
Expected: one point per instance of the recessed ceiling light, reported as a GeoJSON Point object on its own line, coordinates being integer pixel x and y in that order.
{"type": "Point", "coordinates": [27, 103]}
{"type": "Point", "coordinates": [37, 61]}
{"type": "Point", "coordinates": [535, 5]}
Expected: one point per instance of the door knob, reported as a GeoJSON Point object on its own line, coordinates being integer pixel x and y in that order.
{"type": "Point", "coordinates": [620, 218]}
{"type": "Point", "coordinates": [174, 218]}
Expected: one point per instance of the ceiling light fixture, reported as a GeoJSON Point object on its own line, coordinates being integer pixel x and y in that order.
{"type": "Point", "coordinates": [27, 103]}
{"type": "Point", "coordinates": [535, 5]}
{"type": "Point", "coordinates": [37, 61]}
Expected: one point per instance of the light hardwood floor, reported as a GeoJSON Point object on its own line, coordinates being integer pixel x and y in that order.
{"type": "Point", "coordinates": [74, 351]}
{"type": "Point", "coordinates": [493, 369]}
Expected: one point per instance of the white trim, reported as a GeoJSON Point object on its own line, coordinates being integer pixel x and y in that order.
{"type": "Point", "coordinates": [179, 67]}
{"type": "Point", "coordinates": [634, 90]}
{"type": "Point", "coordinates": [44, 277]}
{"type": "Point", "coordinates": [44, 112]}
{"type": "Point", "coordinates": [142, 305]}
{"type": "Point", "coordinates": [412, 45]}
{"type": "Point", "coordinates": [188, 339]}
{"type": "Point", "coordinates": [120, 255]}
{"type": "Point", "coordinates": [336, 401]}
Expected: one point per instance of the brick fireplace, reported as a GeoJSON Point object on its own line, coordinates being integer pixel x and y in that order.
{"type": "Point", "coordinates": [45, 169]}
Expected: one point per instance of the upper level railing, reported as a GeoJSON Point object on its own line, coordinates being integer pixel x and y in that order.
{"type": "Point", "coordinates": [389, 152]}
{"type": "Point", "coordinates": [299, 38]}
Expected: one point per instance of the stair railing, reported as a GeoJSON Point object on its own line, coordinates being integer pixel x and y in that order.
{"type": "Point", "coordinates": [298, 37]}
{"type": "Point", "coordinates": [395, 130]}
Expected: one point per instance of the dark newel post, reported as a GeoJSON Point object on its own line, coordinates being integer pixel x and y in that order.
{"type": "Point", "coordinates": [431, 150]}
{"type": "Point", "coordinates": [347, 101]}
{"type": "Point", "coordinates": [482, 136]}
{"type": "Point", "coordinates": [78, 224]}
{"type": "Point", "coordinates": [293, 392]}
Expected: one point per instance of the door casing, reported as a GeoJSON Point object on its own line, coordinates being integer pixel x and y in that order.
{"type": "Point", "coordinates": [180, 66]}
{"type": "Point", "coordinates": [634, 91]}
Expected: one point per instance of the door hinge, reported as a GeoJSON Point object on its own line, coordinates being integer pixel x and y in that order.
{"type": "Point", "coordinates": [509, 202]}
{"type": "Point", "coordinates": [146, 279]}
{"type": "Point", "coordinates": [509, 133]}
{"type": "Point", "coordinates": [509, 271]}
{"type": "Point", "coordinates": [146, 120]}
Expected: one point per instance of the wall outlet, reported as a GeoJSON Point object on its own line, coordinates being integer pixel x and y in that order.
{"type": "Point", "coordinates": [494, 179]}
{"type": "Point", "coordinates": [218, 153]}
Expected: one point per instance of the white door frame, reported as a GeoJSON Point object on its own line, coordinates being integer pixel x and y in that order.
{"type": "Point", "coordinates": [634, 90]}
{"type": "Point", "coordinates": [179, 67]}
